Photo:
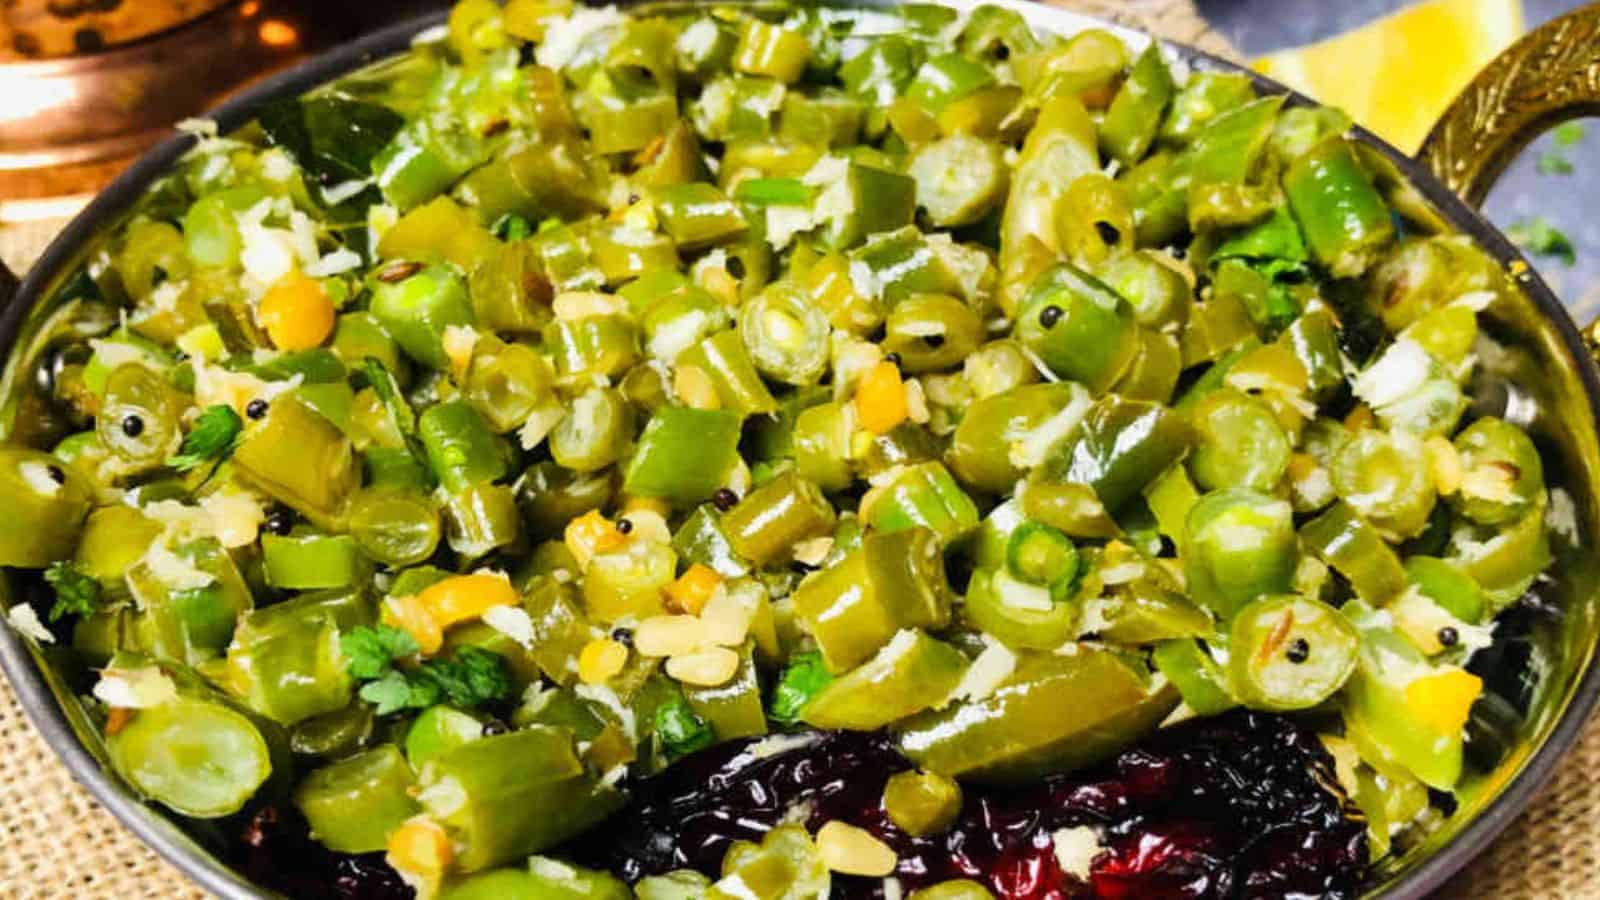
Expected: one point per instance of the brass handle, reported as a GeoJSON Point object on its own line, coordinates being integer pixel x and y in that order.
{"type": "Point", "coordinates": [1552, 74]}
{"type": "Point", "coordinates": [1549, 76]}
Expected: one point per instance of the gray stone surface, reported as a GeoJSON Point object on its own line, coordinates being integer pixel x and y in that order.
{"type": "Point", "coordinates": [1567, 201]}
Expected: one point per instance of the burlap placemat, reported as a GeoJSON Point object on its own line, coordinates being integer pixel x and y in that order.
{"type": "Point", "coordinates": [57, 842]}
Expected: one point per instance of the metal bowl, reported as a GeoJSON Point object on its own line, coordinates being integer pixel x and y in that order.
{"type": "Point", "coordinates": [1546, 378]}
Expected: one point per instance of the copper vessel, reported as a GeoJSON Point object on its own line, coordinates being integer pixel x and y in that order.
{"type": "Point", "coordinates": [87, 85]}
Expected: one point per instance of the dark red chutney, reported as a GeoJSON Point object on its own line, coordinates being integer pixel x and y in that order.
{"type": "Point", "coordinates": [1238, 806]}
{"type": "Point", "coordinates": [275, 848]}
{"type": "Point", "coordinates": [1244, 805]}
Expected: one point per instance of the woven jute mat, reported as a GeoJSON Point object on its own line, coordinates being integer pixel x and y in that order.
{"type": "Point", "coordinates": [57, 842]}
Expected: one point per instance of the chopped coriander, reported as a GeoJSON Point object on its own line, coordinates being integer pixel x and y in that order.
{"type": "Point", "coordinates": [76, 593]}
{"type": "Point", "coordinates": [472, 678]}
{"type": "Point", "coordinates": [1554, 161]}
{"type": "Point", "coordinates": [390, 694]}
{"type": "Point", "coordinates": [1538, 236]}
{"type": "Point", "coordinates": [371, 652]}
{"type": "Point", "coordinates": [804, 678]}
{"type": "Point", "coordinates": [211, 440]}
{"type": "Point", "coordinates": [682, 732]}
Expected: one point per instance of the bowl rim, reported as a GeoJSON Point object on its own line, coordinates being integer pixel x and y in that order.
{"type": "Point", "coordinates": [43, 709]}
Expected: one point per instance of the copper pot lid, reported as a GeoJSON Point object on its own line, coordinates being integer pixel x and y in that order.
{"type": "Point", "coordinates": [39, 29]}
{"type": "Point", "coordinates": [87, 85]}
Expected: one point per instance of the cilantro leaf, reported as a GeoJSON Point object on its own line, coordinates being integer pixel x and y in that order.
{"type": "Point", "coordinates": [682, 732]}
{"type": "Point", "coordinates": [1277, 237]}
{"type": "Point", "coordinates": [474, 677]}
{"type": "Point", "coordinates": [76, 593]}
{"type": "Point", "coordinates": [371, 652]}
{"type": "Point", "coordinates": [391, 693]}
{"type": "Point", "coordinates": [1552, 162]}
{"type": "Point", "coordinates": [1568, 134]}
{"type": "Point", "coordinates": [804, 678]}
{"type": "Point", "coordinates": [1275, 251]}
{"type": "Point", "coordinates": [1538, 236]}
{"type": "Point", "coordinates": [212, 439]}
{"type": "Point", "coordinates": [1555, 162]}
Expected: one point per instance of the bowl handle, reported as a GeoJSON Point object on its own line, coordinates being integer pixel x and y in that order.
{"type": "Point", "coordinates": [1549, 76]}
{"type": "Point", "coordinates": [1552, 74]}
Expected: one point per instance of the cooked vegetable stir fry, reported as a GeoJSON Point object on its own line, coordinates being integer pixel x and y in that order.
{"type": "Point", "coordinates": [466, 440]}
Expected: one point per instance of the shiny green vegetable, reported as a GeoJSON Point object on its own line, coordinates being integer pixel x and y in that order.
{"type": "Point", "coordinates": [627, 583]}
{"type": "Point", "coordinates": [550, 496]}
{"type": "Point", "coordinates": [1386, 478]}
{"type": "Point", "coordinates": [1080, 328]}
{"type": "Point", "coordinates": [595, 431]}
{"type": "Point", "coordinates": [1059, 148]}
{"type": "Point", "coordinates": [482, 518]}
{"type": "Point", "coordinates": [1136, 112]}
{"type": "Point", "coordinates": [49, 503]}
{"type": "Point", "coordinates": [930, 332]}
{"type": "Point", "coordinates": [1502, 477]}
{"type": "Point", "coordinates": [597, 345]}
{"type": "Point", "coordinates": [1053, 712]}
{"type": "Point", "coordinates": [1031, 418]}
{"type": "Point", "coordinates": [892, 581]}
{"type": "Point", "coordinates": [1203, 684]}
{"type": "Point", "coordinates": [732, 710]}
{"type": "Point", "coordinates": [921, 803]}
{"type": "Point", "coordinates": [542, 879]}
{"type": "Point", "coordinates": [1344, 219]}
{"type": "Point", "coordinates": [1123, 446]}
{"type": "Point", "coordinates": [437, 730]}
{"type": "Point", "coordinates": [416, 310]}
{"type": "Point", "coordinates": [509, 383]}
{"type": "Point", "coordinates": [1020, 613]}
{"type": "Point", "coordinates": [786, 335]}
{"type": "Point", "coordinates": [697, 215]}
{"type": "Point", "coordinates": [700, 539]}
{"type": "Point", "coordinates": [190, 619]}
{"type": "Point", "coordinates": [911, 673]}
{"type": "Point", "coordinates": [394, 525]}
{"type": "Point", "coordinates": [1287, 652]}
{"type": "Point", "coordinates": [285, 660]}
{"type": "Point", "coordinates": [355, 804]}
{"type": "Point", "coordinates": [767, 523]}
{"type": "Point", "coordinates": [960, 179]}
{"type": "Point", "coordinates": [301, 459]}
{"type": "Point", "coordinates": [1239, 545]}
{"type": "Point", "coordinates": [1239, 442]}
{"type": "Point", "coordinates": [192, 752]}
{"type": "Point", "coordinates": [1354, 549]}
{"type": "Point", "coordinates": [504, 797]}
{"type": "Point", "coordinates": [311, 561]}
{"type": "Point", "coordinates": [922, 496]}
{"type": "Point", "coordinates": [659, 378]}
{"type": "Point", "coordinates": [684, 455]}
{"type": "Point", "coordinates": [462, 449]}
{"type": "Point", "coordinates": [724, 359]}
